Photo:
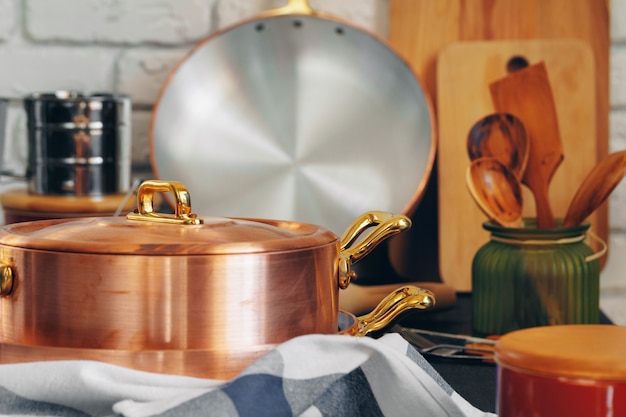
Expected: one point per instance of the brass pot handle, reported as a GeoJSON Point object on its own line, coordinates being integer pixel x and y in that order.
{"type": "Point", "coordinates": [399, 301]}
{"type": "Point", "coordinates": [384, 225]}
{"type": "Point", "coordinates": [293, 7]}
{"type": "Point", "coordinates": [145, 210]}
{"type": "Point", "coordinates": [7, 278]}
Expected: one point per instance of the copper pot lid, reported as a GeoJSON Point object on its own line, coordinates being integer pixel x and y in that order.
{"type": "Point", "coordinates": [147, 232]}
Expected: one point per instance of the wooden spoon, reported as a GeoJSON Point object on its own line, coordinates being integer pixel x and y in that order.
{"type": "Point", "coordinates": [596, 187]}
{"type": "Point", "coordinates": [496, 190]}
{"type": "Point", "coordinates": [526, 93]}
{"type": "Point", "coordinates": [502, 136]}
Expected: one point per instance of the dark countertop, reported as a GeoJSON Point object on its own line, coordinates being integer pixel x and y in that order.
{"type": "Point", "coordinates": [473, 380]}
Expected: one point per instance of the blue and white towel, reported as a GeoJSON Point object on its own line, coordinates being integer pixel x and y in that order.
{"type": "Point", "coordinates": [313, 375]}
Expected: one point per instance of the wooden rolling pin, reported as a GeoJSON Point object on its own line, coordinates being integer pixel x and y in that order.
{"type": "Point", "coordinates": [361, 299]}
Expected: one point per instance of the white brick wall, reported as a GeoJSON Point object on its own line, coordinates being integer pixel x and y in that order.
{"type": "Point", "coordinates": [117, 22]}
{"type": "Point", "coordinates": [618, 21]}
{"type": "Point", "coordinates": [141, 72]}
{"type": "Point", "coordinates": [370, 14]}
{"type": "Point", "coordinates": [126, 46]}
{"type": "Point", "coordinates": [46, 68]}
{"type": "Point", "coordinates": [130, 46]}
{"type": "Point", "coordinates": [7, 18]}
{"type": "Point", "coordinates": [613, 282]}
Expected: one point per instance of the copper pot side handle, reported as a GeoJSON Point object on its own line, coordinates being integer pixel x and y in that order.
{"type": "Point", "coordinates": [382, 224]}
{"type": "Point", "coordinates": [146, 211]}
{"type": "Point", "coordinates": [399, 301]}
{"type": "Point", "coordinates": [7, 278]}
{"type": "Point", "coordinates": [361, 299]}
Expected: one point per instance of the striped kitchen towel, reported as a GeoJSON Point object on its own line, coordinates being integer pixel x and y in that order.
{"type": "Point", "coordinates": [313, 375]}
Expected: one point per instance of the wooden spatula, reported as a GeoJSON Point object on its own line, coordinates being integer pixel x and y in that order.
{"type": "Point", "coordinates": [526, 93]}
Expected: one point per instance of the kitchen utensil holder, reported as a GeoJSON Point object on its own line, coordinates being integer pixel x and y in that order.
{"type": "Point", "coordinates": [528, 277]}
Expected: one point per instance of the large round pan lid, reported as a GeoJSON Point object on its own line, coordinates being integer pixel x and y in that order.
{"type": "Point", "coordinates": [297, 117]}
{"type": "Point", "coordinates": [146, 231]}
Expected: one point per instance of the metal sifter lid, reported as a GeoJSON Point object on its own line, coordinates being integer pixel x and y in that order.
{"type": "Point", "coordinates": [287, 121]}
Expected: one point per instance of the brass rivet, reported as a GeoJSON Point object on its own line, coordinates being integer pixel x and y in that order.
{"type": "Point", "coordinates": [6, 280]}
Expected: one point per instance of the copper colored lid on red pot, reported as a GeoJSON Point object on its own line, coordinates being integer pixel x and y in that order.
{"type": "Point", "coordinates": [579, 351]}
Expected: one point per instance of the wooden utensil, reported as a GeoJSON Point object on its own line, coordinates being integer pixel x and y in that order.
{"type": "Point", "coordinates": [502, 136]}
{"type": "Point", "coordinates": [423, 31]}
{"type": "Point", "coordinates": [464, 72]}
{"type": "Point", "coordinates": [527, 94]}
{"type": "Point", "coordinates": [496, 190]}
{"type": "Point", "coordinates": [596, 187]}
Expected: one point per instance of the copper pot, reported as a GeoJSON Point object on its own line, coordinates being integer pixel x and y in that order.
{"type": "Point", "coordinates": [222, 291]}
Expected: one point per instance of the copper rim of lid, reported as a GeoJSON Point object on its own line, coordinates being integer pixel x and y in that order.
{"type": "Point", "coordinates": [576, 351]}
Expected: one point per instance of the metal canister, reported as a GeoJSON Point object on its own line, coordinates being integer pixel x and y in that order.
{"type": "Point", "coordinates": [78, 144]}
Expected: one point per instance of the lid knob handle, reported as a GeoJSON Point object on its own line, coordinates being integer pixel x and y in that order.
{"type": "Point", "coordinates": [146, 211]}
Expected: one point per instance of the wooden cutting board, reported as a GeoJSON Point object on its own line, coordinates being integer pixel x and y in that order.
{"type": "Point", "coordinates": [464, 72]}
{"type": "Point", "coordinates": [420, 29]}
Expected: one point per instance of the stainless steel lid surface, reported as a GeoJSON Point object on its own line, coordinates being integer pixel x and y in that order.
{"type": "Point", "coordinates": [298, 117]}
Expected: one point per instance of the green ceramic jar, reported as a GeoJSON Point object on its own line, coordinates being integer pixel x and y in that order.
{"type": "Point", "coordinates": [527, 277]}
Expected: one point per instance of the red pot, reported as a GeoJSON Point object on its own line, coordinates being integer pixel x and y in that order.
{"type": "Point", "coordinates": [568, 370]}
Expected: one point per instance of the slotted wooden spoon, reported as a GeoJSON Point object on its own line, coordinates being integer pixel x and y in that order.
{"type": "Point", "coordinates": [526, 93]}
{"type": "Point", "coordinates": [501, 136]}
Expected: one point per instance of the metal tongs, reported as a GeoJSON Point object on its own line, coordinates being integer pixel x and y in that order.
{"type": "Point", "coordinates": [446, 345]}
